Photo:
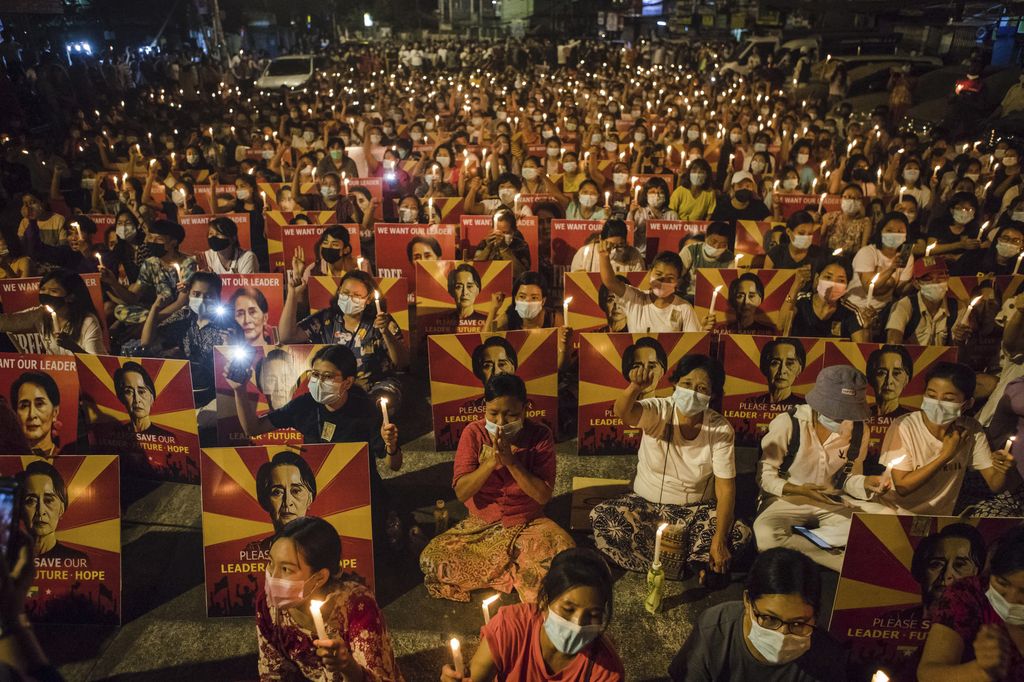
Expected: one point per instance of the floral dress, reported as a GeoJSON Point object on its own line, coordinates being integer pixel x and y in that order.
{"type": "Point", "coordinates": [286, 649]}
{"type": "Point", "coordinates": [157, 280]}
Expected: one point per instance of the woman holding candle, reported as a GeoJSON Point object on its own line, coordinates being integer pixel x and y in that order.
{"type": "Point", "coordinates": [694, 199]}
{"type": "Point", "coordinates": [64, 322]}
{"type": "Point", "coordinates": [226, 255]}
{"type": "Point", "coordinates": [354, 643]}
{"type": "Point", "coordinates": [562, 634]}
{"type": "Point", "coordinates": [847, 229]}
{"type": "Point", "coordinates": [355, 319]}
{"type": "Point", "coordinates": [332, 253]}
{"type": "Point", "coordinates": [883, 269]}
{"type": "Point", "coordinates": [650, 204]}
{"type": "Point", "coordinates": [163, 274]}
{"type": "Point", "coordinates": [957, 232]}
{"type": "Point", "coordinates": [1002, 257]}
{"type": "Point", "coordinates": [977, 630]}
{"type": "Point", "coordinates": [504, 473]}
{"type": "Point", "coordinates": [586, 204]}
{"type": "Point", "coordinates": [686, 474]}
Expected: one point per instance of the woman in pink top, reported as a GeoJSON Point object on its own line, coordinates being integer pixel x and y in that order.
{"type": "Point", "coordinates": [504, 474]}
{"type": "Point", "coordinates": [560, 638]}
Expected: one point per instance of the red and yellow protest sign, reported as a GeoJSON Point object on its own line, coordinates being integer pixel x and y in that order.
{"type": "Point", "coordinates": [71, 508]}
{"type": "Point", "coordinates": [896, 378]}
{"type": "Point", "coordinates": [569, 236]}
{"type": "Point", "coordinates": [454, 297]}
{"type": "Point", "coordinates": [43, 392]}
{"type": "Point", "coordinates": [669, 235]}
{"type": "Point", "coordinates": [278, 376]}
{"type": "Point", "coordinates": [750, 238]}
{"type": "Point", "coordinates": [474, 229]}
{"type": "Point", "coordinates": [791, 202]}
{"type": "Point", "coordinates": [274, 223]}
{"type": "Point", "coordinates": [394, 292]}
{"type": "Point", "coordinates": [197, 228]}
{"type": "Point", "coordinates": [19, 294]}
{"type": "Point", "coordinates": [399, 245]}
{"type": "Point", "coordinates": [460, 364]}
{"type": "Point", "coordinates": [444, 210]}
{"type": "Point", "coordinates": [986, 338]}
{"type": "Point", "coordinates": [254, 302]}
{"type": "Point", "coordinates": [593, 308]}
{"type": "Point", "coordinates": [142, 409]}
{"type": "Point", "coordinates": [764, 377]}
{"type": "Point", "coordinates": [893, 574]}
{"type": "Point", "coordinates": [748, 301]}
{"type": "Point", "coordinates": [243, 507]}
{"type": "Point", "coordinates": [207, 199]}
{"type": "Point", "coordinates": [605, 362]}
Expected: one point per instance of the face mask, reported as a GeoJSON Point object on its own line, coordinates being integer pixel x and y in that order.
{"type": "Point", "coordinates": [407, 215]}
{"type": "Point", "coordinates": [1007, 250]}
{"type": "Point", "coordinates": [830, 424]}
{"type": "Point", "coordinates": [336, 154]}
{"type": "Point", "coordinates": [416, 136]}
{"type": "Point", "coordinates": [697, 179]}
{"type": "Point", "coordinates": [52, 301]}
{"type": "Point", "coordinates": [974, 177]}
{"type": "Point", "coordinates": [178, 197]}
{"type": "Point", "coordinates": [328, 192]}
{"type": "Point", "coordinates": [308, 136]}
{"type": "Point", "coordinates": [595, 138]}
{"type": "Point", "coordinates": [349, 305]}
{"type": "Point", "coordinates": [331, 256]}
{"type": "Point", "coordinates": [744, 196]}
{"type": "Point", "coordinates": [389, 164]}
{"type": "Point", "coordinates": [655, 200]}
{"type": "Point", "coordinates": [962, 216]}
{"type": "Point", "coordinates": [509, 429]}
{"type": "Point", "coordinates": [197, 304]}
{"type": "Point", "coordinates": [911, 175]}
{"type": "Point", "coordinates": [282, 593]}
{"type": "Point", "coordinates": [690, 402]}
{"type": "Point", "coordinates": [757, 167]}
{"type": "Point", "coordinates": [712, 252]}
{"type": "Point", "coordinates": [893, 240]}
{"type": "Point", "coordinates": [850, 206]}
{"type": "Point", "coordinates": [268, 154]}
{"type": "Point", "coordinates": [760, 147]}
{"type": "Point", "coordinates": [502, 115]}
{"type": "Point", "coordinates": [568, 637]}
{"type": "Point", "coordinates": [789, 184]}
{"type": "Point", "coordinates": [692, 135]}
{"type": "Point", "coordinates": [529, 174]}
{"type": "Point", "coordinates": [1012, 614]}
{"type": "Point", "coordinates": [125, 231]}
{"type": "Point", "coordinates": [528, 310]}
{"type": "Point", "coordinates": [569, 166]}
{"type": "Point", "coordinates": [588, 200]}
{"type": "Point", "coordinates": [611, 146]}
{"type": "Point", "coordinates": [444, 161]}
{"type": "Point", "coordinates": [776, 646]}
{"type": "Point", "coordinates": [374, 139]}
{"type": "Point", "coordinates": [802, 159]}
{"type": "Point", "coordinates": [218, 243]}
{"type": "Point", "coordinates": [620, 179]}
{"type": "Point", "coordinates": [734, 138]}
{"type": "Point", "coordinates": [639, 137]}
{"type": "Point", "coordinates": [662, 289]}
{"type": "Point", "coordinates": [243, 194]}
{"type": "Point", "coordinates": [192, 158]}
{"type": "Point", "coordinates": [752, 129]}
{"type": "Point", "coordinates": [940, 412]}
{"type": "Point", "coordinates": [830, 291]}
{"type": "Point", "coordinates": [323, 393]}
{"type": "Point", "coordinates": [506, 195]}
{"type": "Point", "coordinates": [156, 249]}
{"type": "Point", "coordinates": [547, 134]}
{"type": "Point", "coordinates": [935, 291]}
{"type": "Point", "coordinates": [802, 241]}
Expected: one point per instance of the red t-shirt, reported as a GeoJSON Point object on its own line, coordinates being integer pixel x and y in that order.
{"type": "Point", "coordinates": [501, 498]}
{"type": "Point", "coordinates": [513, 636]}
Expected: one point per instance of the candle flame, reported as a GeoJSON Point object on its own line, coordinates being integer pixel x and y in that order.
{"type": "Point", "coordinates": [567, 301]}
{"type": "Point", "coordinates": [898, 460]}
{"type": "Point", "coordinates": [384, 402]}
{"type": "Point", "coordinates": [662, 527]}
{"type": "Point", "coordinates": [837, 252]}
{"type": "Point", "coordinates": [315, 605]}
{"type": "Point", "coordinates": [879, 677]}
{"type": "Point", "coordinates": [875, 278]}
{"type": "Point", "coordinates": [454, 644]}
{"type": "Point", "coordinates": [490, 600]}
{"type": "Point", "coordinates": [975, 301]}
{"type": "Point", "coordinates": [719, 288]}
{"type": "Point", "coordinates": [50, 310]}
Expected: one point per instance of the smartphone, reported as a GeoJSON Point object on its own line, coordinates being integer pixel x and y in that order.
{"type": "Point", "coordinates": [10, 494]}
{"type": "Point", "coordinates": [905, 251]}
{"type": "Point", "coordinates": [814, 538]}
{"type": "Point", "coordinates": [239, 366]}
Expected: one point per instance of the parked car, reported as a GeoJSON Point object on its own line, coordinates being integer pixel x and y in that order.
{"type": "Point", "coordinates": [292, 71]}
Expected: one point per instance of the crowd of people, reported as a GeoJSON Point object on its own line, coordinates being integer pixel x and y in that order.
{"type": "Point", "coordinates": [104, 160]}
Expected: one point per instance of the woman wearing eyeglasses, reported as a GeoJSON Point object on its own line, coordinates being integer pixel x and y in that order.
{"type": "Point", "coordinates": [771, 635]}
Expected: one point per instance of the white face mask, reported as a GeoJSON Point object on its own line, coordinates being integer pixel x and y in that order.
{"type": "Point", "coordinates": [178, 197]}
{"type": "Point", "coordinates": [588, 200]}
{"type": "Point", "coordinates": [1012, 614]}
{"type": "Point", "coordinates": [125, 231]}
{"type": "Point", "coordinates": [569, 166]}
{"type": "Point", "coordinates": [757, 167]}
{"type": "Point", "coordinates": [443, 161]}
{"type": "Point", "coordinates": [760, 147]}
{"type": "Point", "coordinates": [611, 146]}
{"type": "Point", "coordinates": [935, 291]}
{"type": "Point", "coordinates": [802, 241]}
{"type": "Point", "coordinates": [349, 305]}
{"type": "Point", "coordinates": [507, 195]}
{"type": "Point", "coordinates": [692, 135]}
{"type": "Point", "coordinates": [323, 393]}
{"type": "Point", "coordinates": [697, 179]}
{"type": "Point", "coordinates": [509, 429]}
{"type": "Point", "coordinates": [962, 216]}
{"type": "Point", "coordinates": [802, 159]}
{"type": "Point", "coordinates": [911, 175]}
{"type": "Point", "coordinates": [242, 194]}
{"type": "Point", "coordinates": [528, 310]}
{"type": "Point", "coordinates": [389, 164]}
{"type": "Point", "coordinates": [655, 200]}
{"type": "Point", "coordinates": [690, 402]}
{"type": "Point", "coordinates": [568, 637]}
{"type": "Point", "coordinates": [407, 215]}
{"type": "Point", "coordinates": [1007, 250]}
{"type": "Point", "coordinates": [639, 137]}
{"type": "Point", "coordinates": [595, 138]}
{"type": "Point", "coordinates": [529, 174]}
{"type": "Point", "coordinates": [830, 424]}
{"type": "Point", "coordinates": [197, 304]}
{"type": "Point", "coordinates": [777, 647]}
{"type": "Point", "coordinates": [620, 179]}
{"type": "Point", "coordinates": [893, 240]}
{"type": "Point", "coordinates": [789, 184]}
{"type": "Point", "coordinates": [940, 412]}
{"type": "Point", "coordinates": [712, 252]}
{"type": "Point", "coordinates": [734, 138]}
{"type": "Point", "coordinates": [553, 152]}
{"type": "Point", "coordinates": [850, 206]}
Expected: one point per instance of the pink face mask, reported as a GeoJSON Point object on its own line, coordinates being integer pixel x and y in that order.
{"type": "Point", "coordinates": [662, 289]}
{"type": "Point", "coordinates": [283, 593]}
{"type": "Point", "coordinates": [831, 291]}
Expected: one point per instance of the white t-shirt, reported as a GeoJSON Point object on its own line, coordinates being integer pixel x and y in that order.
{"type": "Point", "coordinates": [642, 316]}
{"type": "Point", "coordinates": [678, 471]}
{"type": "Point", "coordinates": [244, 264]}
{"type": "Point", "coordinates": [908, 435]}
{"type": "Point", "coordinates": [871, 259]}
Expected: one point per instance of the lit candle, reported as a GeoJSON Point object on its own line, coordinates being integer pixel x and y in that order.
{"type": "Point", "coordinates": [821, 201]}
{"type": "Point", "coordinates": [636, 194]}
{"type": "Point", "coordinates": [836, 253]}
{"type": "Point", "coordinates": [457, 658]}
{"type": "Point", "coordinates": [714, 296]}
{"type": "Point", "coordinates": [887, 476]}
{"type": "Point", "coordinates": [376, 300]}
{"type": "Point", "coordinates": [1009, 443]}
{"type": "Point", "coordinates": [879, 677]}
{"type": "Point", "coordinates": [318, 619]}
{"type": "Point", "coordinates": [359, 262]}
{"type": "Point", "coordinates": [657, 545]}
{"type": "Point", "coordinates": [607, 199]}
{"type": "Point", "coordinates": [975, 301]}
{"type": "Point", "coordinates": [384, 410]}
{"type": "Point", "coordinates": [739, 257]}
{"type": "Point", "coordinates": [99, 260]}
{"type": "Point", "coordinates": [515, 202]}
{"type": "Point", "coordinates": [177, 270]}
{"type": "Point", "coordinates": [53, 317]}
{"type": "Point", "coordinates": [981, 232]}
{"type": "Point", "coordinates": [871, 287]}
{"type": "Point", "coordinates": [928, 249]}
{"type": "Point", "coordinates": [486, 607]}
{"type": "Point", "coordinates": [430, 208]}
{"type": "Point", "coordinates": [565, 310]}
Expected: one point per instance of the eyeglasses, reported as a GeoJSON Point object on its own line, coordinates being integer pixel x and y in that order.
{"type": "Point", "coordinates": [799, 628]}
{"type": "Point", "coordinates": [323, 376]}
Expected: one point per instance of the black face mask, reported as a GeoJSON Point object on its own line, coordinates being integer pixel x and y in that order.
{"type": "Point", "coordinates": [332, 256]}
{"type": "Point", "coordinates": [156, 249]}
{"type": "Point", "coordinates": [218, 243]}
{"type": "Point", "coordinates": [52, 301]}
{"type": "Point", "coordinates": [744, 196]}
{"type": "Point", "coordinates": [861, 174]}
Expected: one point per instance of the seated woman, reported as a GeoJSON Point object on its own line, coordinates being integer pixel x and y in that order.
{"type": "Point", "coordinates": [770, 635]}
{"type": "Point", "coordinates": [305, 564]}
{"type": "Point", "coordinates": [78, 328]}
{"type": "Point", "coordinates": [562, 634]}
{"type": "Point", "coordinates": [796, 251]}
{"type": "Point", "coordinates": [225, 255]}
{"type": "Point", "coordinates": [357, 321]}
{"type": "Point", "coordinates": [977, 630]}
{"type": "Point", "coordinates": [504, 474]}
{"type": "Point", "coordinates": [686, 474]}
{"type": "Point", "coordinates": [505, 242]}
{"type": "Point", "coordinates": [528, 310]}
{"type": "Point", "coordinates": [822, 312]}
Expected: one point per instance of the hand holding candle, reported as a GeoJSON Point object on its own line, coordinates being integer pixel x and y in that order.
{"type": "Point", "coordinates": [318, 620]}
{"type": "Point", "coordinates": [460, 669]}
{"type": "Point", "coordinates": [376, 300]}
{"type": "Point", "coordinates": [879, 677]}
{"type": "Point", "coordinates": [887, 476]}
{"type": "Point", "coordinates": [486, 607]}
{"type": "Point", "coordinates": [714, 297]}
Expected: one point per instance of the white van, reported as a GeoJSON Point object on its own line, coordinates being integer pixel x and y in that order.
{"type": "Point", "coordinates": [290, 72]}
